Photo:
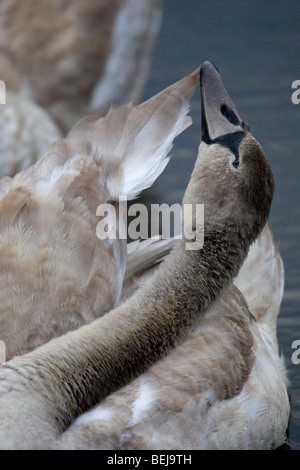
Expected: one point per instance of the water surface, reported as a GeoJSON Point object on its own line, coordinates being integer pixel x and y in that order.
{"type": "Point", "coordinates": [256, 46]}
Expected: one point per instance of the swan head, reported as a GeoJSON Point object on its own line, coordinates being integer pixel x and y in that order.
{"type": "Point", "coordinates": [232, 176]}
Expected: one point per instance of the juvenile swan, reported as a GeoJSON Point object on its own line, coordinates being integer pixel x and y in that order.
{"type": "Point", "coordinates": [43, 391]}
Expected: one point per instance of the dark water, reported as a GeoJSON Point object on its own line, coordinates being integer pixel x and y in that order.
{"type": "Point", "coordinates": [256, 46]}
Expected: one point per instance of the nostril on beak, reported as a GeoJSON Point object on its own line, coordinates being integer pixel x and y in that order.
{"type": "Point", "coordinates": [229, 114]}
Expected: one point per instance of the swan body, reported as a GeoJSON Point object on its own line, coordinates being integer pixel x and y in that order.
{"type": "Point", "coordinates": [56, 273]}
{"type": "Point", "coordinates": [188, 303]}
{"type": "Point", "coordinates": [193, 398]}
{"type": "Point", "coordinates": [265, 294]}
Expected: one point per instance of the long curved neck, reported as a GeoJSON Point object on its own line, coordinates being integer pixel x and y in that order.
{"type": "Point", "coordinates": [65, 377]}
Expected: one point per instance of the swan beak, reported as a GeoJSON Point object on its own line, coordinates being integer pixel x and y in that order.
{"type": "Point", "coordinates": [220, 118]}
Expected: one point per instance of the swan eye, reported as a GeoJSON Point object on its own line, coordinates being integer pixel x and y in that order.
{"type": "Point", "coordinates": [235, 163]}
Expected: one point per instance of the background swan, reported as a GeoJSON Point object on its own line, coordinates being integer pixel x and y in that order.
{"type": "Point", "coordinates": [26, 132]}
{"type": "Point", "coordinates": [61, 60]}
{"type": "Point", "coordinates": [57, 52]}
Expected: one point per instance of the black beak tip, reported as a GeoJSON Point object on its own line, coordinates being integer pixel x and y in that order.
{"type": "Point", "coordinates": [207, 65]}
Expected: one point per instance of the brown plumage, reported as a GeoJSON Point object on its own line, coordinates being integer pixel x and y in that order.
{"type": "Point", "coordinates": [49, 387]}
{"type": "Point", "coordinates": [56, 274]}
{"type": "Point", "coordinates": [201, 395]}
